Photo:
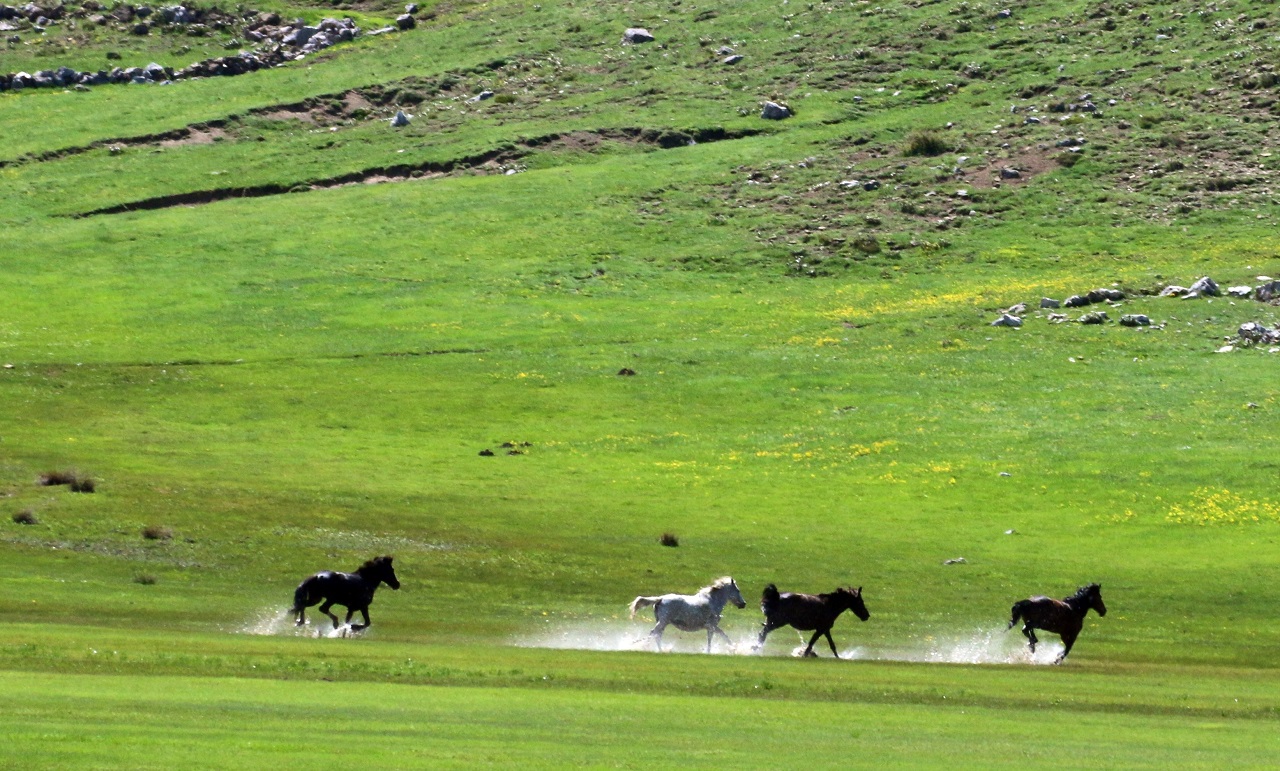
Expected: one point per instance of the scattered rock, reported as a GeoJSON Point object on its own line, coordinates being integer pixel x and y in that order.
{"type": "Point", "coordinates": [1240, 291]}
{"type": "Point", "coordinates": [955, 561]}
{"type": "Point", "coordinates": [1057, 318]}
{"type": "Point", "coordinates": [637, 35]}
{"type": "Point", "coordinates": [486, 453]}
{"type": "Point", "coordinates": [1135, 320]}
{"type": "Point", "coordinates": [406, 21]}
{"type": "Point", "coordinates": [480, 97]}
{"type": "Point", "coordinates": [626, 372]}
{"type": "Point", "coordinates": [1267, 292]}
{"type": "Point", "coordinates": [1101, 295]}
{"type": "Point", "coordinates": [775, 111]}
{"type": "Point", "coordinates": [733, 59]}
{"type": "Point", "coordinates": [1206, 286]}
{"type": "Point", "coordinates": [1016, 310]}
{"type": "Point", "coordinates": [1010, 173]}
{"type": "Point", "coordinates": [401, 119]}
{"type": "Point", "coordinates": [1173, 290]}
{"type": "Point", "coordinates": [1252, 332]}
{"type": "Point", "coordinates": [1225, 349]}
{"type": "Point", "coordinates": [1094, 317]}
{"type": "Point", "coordinates": [1076, 301]}
{"type": "Point", "coordinates": [1049, 302]}
{"type": "Point", "coordinates": [1007, 320]}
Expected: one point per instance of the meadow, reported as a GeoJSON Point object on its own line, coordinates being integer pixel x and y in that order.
{"type": "Point", "coordinates": [302, 374]}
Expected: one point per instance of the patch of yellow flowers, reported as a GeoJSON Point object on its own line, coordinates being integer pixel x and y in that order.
{"type": "Point", "coordinates": [1210, 506]}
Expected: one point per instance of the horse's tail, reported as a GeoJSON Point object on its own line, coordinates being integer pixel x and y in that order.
{"type": "Point", "coordinates": [301, 597]}
{"type": "Point", "coordinates": [769, 600]}
{"type": "Point", "coordinates": [1016, 611]}
{"type": "Point", "coordinates": [643, 602]}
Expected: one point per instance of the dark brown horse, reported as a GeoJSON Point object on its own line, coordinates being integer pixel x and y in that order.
{"type": "Point", "coordinates": [354, 591]}
{"type": "Point", "coordinates": [1063, 617]}
{"type": "Point", "coordinates": [809, 611]}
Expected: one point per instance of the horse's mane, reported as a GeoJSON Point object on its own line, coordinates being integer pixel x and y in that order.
{"type": "Point", "coordinates": [373, 564]}
{"type": "Point", "coordinates": [1084, 592]}
{"type": "Point", "coordinates": [719, 583]}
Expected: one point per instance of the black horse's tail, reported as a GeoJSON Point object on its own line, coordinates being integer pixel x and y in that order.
{"type": "Point", "coordinates": [1016, 611]}
{"type": "Point", "coordinates": [769, 600]}
{"type": "Point", "coordinates": [301, 597]}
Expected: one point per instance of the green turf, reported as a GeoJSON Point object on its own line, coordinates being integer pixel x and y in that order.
{"type": "Point", "coordinates": [286, 383]}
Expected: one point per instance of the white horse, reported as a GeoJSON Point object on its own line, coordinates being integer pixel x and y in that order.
{"type": "Point", "coordinates": [691, 612]}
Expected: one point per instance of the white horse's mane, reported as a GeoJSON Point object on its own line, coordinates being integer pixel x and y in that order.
{"type": "Point", "coordinates": [719, 583]}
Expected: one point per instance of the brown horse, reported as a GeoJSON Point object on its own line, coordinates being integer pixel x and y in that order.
{"type": "Point", "coordinates": [809, 611]}
{"type": "Point", "coordinates": [1063, 617]}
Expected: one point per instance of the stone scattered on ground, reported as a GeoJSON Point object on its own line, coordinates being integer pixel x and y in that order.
{"type": "Point", "coordinates": [1205, 287]}
{"type": "Point", "coordinates": [272, 42]}
{"type": "Point", "coordinates": [1135, 320]}
{"type": "Point", "coordinates": [1252, 332]}
{"type": "Point", "coordinates": [1049, 302]}
{"type": "Point", "coordinates": [1007, 320]}
{"type": "Point", "coordinates": [1094, 317]}
{"type": "Point", "coordinates": [1267, 292]}
{"type": "Point", "coordinates": [775, 111]}
{"type": "Point", "coordinates": [637, 35]}
{"type": "Point", "coordinates": [1240, 291]}
{"type": "Point", "coordinates": [401, 119]}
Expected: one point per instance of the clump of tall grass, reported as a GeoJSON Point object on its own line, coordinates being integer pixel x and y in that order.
{"type": "Point", "coordinates": [925, 142]}
{"type": "Point", "coordinates": [157, 533]}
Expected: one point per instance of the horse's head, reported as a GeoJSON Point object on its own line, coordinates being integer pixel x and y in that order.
{"type": "Point", "coordinates": [729, 589]}
{"type": "Point", "coordinates": [379, 569]}
{"type": "Point", "coordinates": [1095, 599]}
{"type": "Point", "coordinates": [852, 599]}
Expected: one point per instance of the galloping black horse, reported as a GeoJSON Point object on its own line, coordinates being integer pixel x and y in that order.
{"type": "Point", "coordinates": [352, 590]}
{"type": "Point", "coordinates": [809, 611]}
{"type": "Point", "coordinates": [1063, 617]}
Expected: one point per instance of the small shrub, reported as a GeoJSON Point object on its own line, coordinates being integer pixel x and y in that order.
{"type": "Point", "coordinates": [927, 143]}
{"type": "Point", "coordinates": [157, 533]}
{"type": "Point", "coordinates": [83, 485]}
{"type": "Point", "coordinates": [146, 579]}
{"type": "Point", "coordinates": [26, 517]}
{"type": "Point", "coordinates": [55, 478]}
{"type": "Point", "coordinates": [1067, 159]}
{"type": "Point", "coordinates": [505, 98]}
{"type": "Point", "coordinates": [669, 539]}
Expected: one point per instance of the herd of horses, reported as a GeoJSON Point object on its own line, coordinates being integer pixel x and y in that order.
{"type": "Point", "coordinates": [702, 610]}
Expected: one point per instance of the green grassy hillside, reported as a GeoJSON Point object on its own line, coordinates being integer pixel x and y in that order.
{"type": "Point", "coordinates": [276, 334]}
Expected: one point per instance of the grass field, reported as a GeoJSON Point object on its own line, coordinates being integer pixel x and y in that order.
{"type": "Point", "coordinates": [303, 373]}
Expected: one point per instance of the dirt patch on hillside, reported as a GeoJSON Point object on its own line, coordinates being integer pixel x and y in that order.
{"type": "Point", "coordinates": [196, 136]}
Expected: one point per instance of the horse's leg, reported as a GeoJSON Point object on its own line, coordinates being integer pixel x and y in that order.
{"type": "Point", "coordinates": [656, 634]}
{"type": "Point", "coordinates": [360, 627]}
{"type": "Point", "coordinates": [808, 652]}
{"type": "Point", "coordinates": [832, 643]}
{"type": "Point", "coordinates": [768, 627]}
{"type": "Point", "coordinates": [1068, 639]}
{"type": "Point", "coordinates": [325, 610]}
{"type": "Point", "coordinates": [1030, 632]}
{"type": "Point", "coordinates": [710, 632]}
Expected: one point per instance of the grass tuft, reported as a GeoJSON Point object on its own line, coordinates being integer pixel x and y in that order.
{"type": "Point", "coordinates": [56, 478]}
{"type": "Point", "coordinates": [26, 517]}
{"type": "Point", "coordinates": [669, 539]}
{"type": "Point", "coordinates": [157, 533]}
{"type": "Point", "coordinates": [926, 143]}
